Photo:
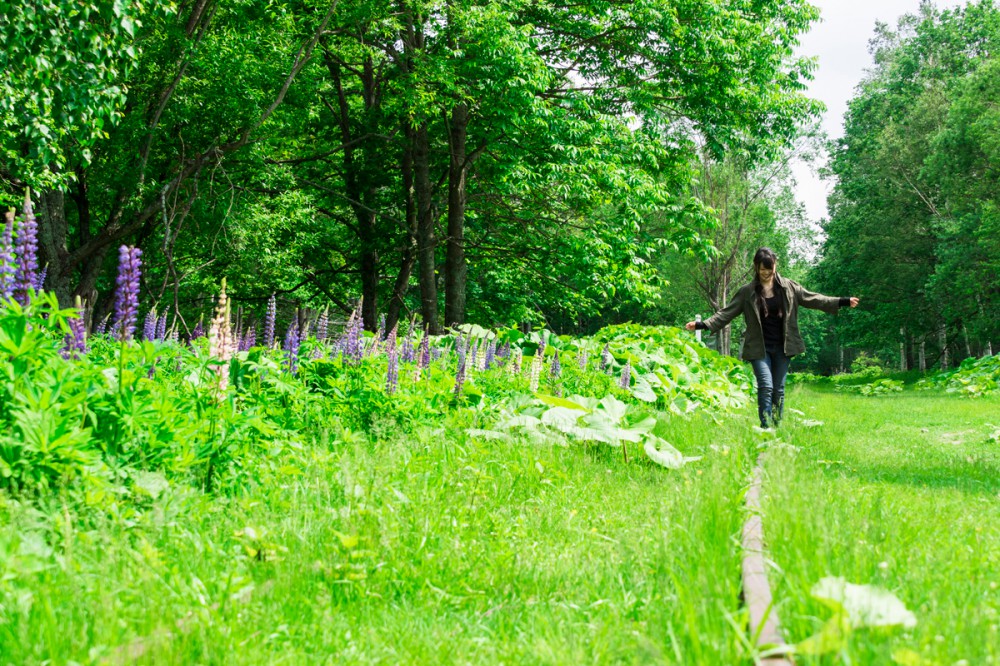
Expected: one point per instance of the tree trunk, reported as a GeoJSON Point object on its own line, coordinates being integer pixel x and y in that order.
{"type": "Point", "coordinates": [52, 251]}
{"type": "Point", "coordinates": [902, 349]}
{"type": "Point", "coordinates": [426, 240]}
{"type": "Point", "coordinates": [455, 268]}
{"type": "Point", "coordinates": [923, 356]}
{"type": "Point", "coordinates": [402, 284]}
{"type": "Point", "coordinates": [943, 339]}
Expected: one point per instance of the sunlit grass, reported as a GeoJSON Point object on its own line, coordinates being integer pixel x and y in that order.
{"type": "Point", "coordinates": [901, 492]}
{"type": "Point", "coordinates": [431, 550]}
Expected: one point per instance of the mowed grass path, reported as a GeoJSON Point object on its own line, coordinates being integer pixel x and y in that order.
{"type": "Point", "coordinates": [435, 548]}
{"type": "Point", "coordinates": [903, 492]}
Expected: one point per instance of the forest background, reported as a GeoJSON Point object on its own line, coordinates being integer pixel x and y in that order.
{"type": "Point", "coordinates": [506, 162]}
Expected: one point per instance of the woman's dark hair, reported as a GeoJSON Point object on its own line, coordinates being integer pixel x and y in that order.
{"type": "Point", "coordinates": [766, 258]}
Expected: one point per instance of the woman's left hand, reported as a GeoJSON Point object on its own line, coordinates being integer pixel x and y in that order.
{"type": "Point", "coordinates": [854, 301]}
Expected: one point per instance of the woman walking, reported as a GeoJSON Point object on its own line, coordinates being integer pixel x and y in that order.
{"type": "Point", "coordinates": [770, 306]}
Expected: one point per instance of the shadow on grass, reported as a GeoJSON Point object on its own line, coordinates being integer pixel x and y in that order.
{"type": "Point", "coordinates": [977, 478]}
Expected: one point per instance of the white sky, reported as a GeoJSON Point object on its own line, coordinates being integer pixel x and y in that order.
{"type": "Point", "coordinates": [840, 40]}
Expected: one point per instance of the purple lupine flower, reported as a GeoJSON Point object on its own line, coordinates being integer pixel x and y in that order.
{"type": "Point", "coordinates": [354, 344]}
{"type": "Point", "coordinates": [491, 353]}
{"type": "Point", "coordinates": [409, 351]}
{"type": "Point", "coordinates": [8, 269]}
{"type": "Point", "coordinates": [198, 332]}
{"type": "Point", "coordinates": [322, 325]}
{"type": "Point", "coordinates": [626, 379]}
{"type": "Point", "coordinates": [249, 340]}
{"type": "Point", "coordinates": [40, 280]}
{"type": "Point", "coordinates": [460, 376]}
{"type": "Point", "coordinates": [473, 353]}
{"type": "Point", "coordinates": [582, 359]}
{"type": "Point", "coordinates": [425, 352]}
{"type": "Point", "coordinates": [76, 341]}
{"type": "Point", "coordinates": [127, 293]}
{"type": "Point", "coordinates": [504, 351]}
{"type": "Point", "coordinates": [102, 327]}
{"type": "Point", "coordinates": [436, 353]}
{"type": "Point", "coordinates": [26, 251]}
{"type": "Point", "coordinates": [292, 342]}
{"type": "Point", "coordinates": [161, 328]}
{"type": "Point", "coordinates": [555, 371]}
{"type": "Point", "coordinates": [149, 326]}
{"type": "Point", "coordinates": [269, 321]}
{"type": "Point", "coordinates": [392, 371]}
{"type": "Point", "coordinates": [606, 360]}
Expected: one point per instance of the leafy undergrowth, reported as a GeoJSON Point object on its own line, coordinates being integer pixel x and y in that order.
{"type": "Point", "coordinates": [898, 494]}
{"type": "Point", "coordinates": [430, 547]}
{"type": "Point", "coordinates": [370, 498]}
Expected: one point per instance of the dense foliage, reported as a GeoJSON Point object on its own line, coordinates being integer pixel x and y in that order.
{"type": "Point", "coordinates": [914, 223]}
{"type": "Point", "coordinates": [501, 162]}
{"type": "Point", "coordinates": [211, 412]}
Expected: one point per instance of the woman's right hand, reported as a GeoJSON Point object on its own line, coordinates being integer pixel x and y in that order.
{"type": "Point", "coordinates": [689, 326]}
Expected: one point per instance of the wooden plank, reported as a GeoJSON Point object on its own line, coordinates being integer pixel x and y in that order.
{"type": "Point", "coordinates": [757, 596]}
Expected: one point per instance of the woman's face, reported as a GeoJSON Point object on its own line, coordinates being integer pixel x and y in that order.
{"type": "Point", "coordinates": [765, 274]}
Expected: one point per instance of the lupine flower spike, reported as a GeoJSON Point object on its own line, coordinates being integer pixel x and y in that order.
{"type": "Point", "coordinates": [322, 325]}
{"type": "Point", "coordinates": [127, 292]}
{"type": "Point", "coordinates": [626, 378]}
{"type": "Point", "coordinates": [481, 356]}
{"type": "Point", "coordinates": [221, 342]}
{"type": "Point", "coordinates": [198, 332]}
{"type": "Point", "coordinates": [582, 359]}
{"type": "Point", "coordinates": [460, 376]}
{"type": "Point", "coordinates": [7, 267]}
{"type": "Point", "coordinates": [269, 321]}
{"type": "Point", "coordinates": [292, 343]}
{"type": "Point", "coordinates": [424, 356]}
{"type": "Point", "coordinates": [606, 359]}
{"type": "Point", "coordinates": [161, 328]}
{"type": "Point", "coordinates": [76, 341]}
{"type": "Point", "coordinates": [392, 373]}
{"type": "Point", "coordinates": [26, 251]}
{"type": "Point", "coordinates": [149, 326]}
{"type": "Point", "coordinates": [536, 368]}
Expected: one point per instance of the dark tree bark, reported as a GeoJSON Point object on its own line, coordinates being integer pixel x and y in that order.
{"type": "Point", "coordinates": [402, 284]}
{"type": "Point", "coordinates": [455, 267]}
{"type": "Point", "coordinates": [426, 239]}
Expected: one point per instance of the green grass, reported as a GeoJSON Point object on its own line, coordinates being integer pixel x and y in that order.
{"type": "Point", "coordinates": [435, 549]}
{"type": "Point", "coordinates": [902, 492]}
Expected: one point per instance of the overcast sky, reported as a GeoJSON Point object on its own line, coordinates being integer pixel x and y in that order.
{"type": "Point", "coordinates": [840, 40]}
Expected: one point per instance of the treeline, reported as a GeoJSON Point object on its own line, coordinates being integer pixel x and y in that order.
{"type": "Point", "coordinates": [915, 214]}
{"type": "Point", "coordinates": [498, 161]}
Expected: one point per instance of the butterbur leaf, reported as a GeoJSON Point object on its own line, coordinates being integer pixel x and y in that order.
{"type": "Point", "coordinates": [865, 605]}
{"type": "Point", "coordinates": [641, 390]}
{"type": "Point", "coordinates": [613, 407]}
{"type": "Point", "coordinates": [555, 401]}
{"type": "Point", "coordinates": [520, 421]}
{"type": "Point", "coordinates": [663, 453]}
{"type": "Point", "coordinates": [488, 434]}
{"type": "Point", "coordinates": [561, 417]}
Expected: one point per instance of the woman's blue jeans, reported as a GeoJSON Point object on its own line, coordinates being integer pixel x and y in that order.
{"type": "Point", "coordinates": [770, 372]}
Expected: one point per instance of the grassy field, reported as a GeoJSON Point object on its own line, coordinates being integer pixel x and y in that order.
{"type": "Point", "coordinates": [439, 549]}
{"type": "Point", "coordinates": [902, 492]}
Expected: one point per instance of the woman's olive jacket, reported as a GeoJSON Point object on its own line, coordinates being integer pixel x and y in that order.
{"type": "Point", "coordinates": [745, 303]}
